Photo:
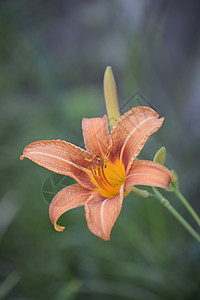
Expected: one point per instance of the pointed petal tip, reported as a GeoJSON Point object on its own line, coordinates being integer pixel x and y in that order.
{"type": "Point", "coordinates": [162, 119]}
{"type": "Point", "coordinates": [106, 239]}
{"type": "Point", "coordinates": [102, 236]}
{"type": "Point", "coordinates": [22, 157]}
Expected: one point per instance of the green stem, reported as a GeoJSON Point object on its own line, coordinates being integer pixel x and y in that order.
{"type": "Point", "coordinates": [187, 205]}
{"type": "Point", "coordinates": [139, 192]}
{"type": "Point", "coordinates": [174, 212]}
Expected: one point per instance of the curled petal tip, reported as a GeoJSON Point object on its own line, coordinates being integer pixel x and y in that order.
{"type": "Point", "coordinates": [58, 227]}
{"type": "Point", "coordinates": [22, 157]}
{"type": "Point", "coordinates": [69, 197]}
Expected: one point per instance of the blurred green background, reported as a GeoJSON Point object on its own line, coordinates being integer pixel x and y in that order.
{"type": "Point", "coordinates": [52, 58]}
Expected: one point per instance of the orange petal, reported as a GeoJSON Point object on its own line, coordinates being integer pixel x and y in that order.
{"type": "Point", "coordinates": [70, 197]}
{"type": "Point", "coordinates": [61, 157]}
{"type": "Point", "coordinates": [101, 213]}
{"type": "Point", "coordinates": [96, 135]}
{"type": "Point", "coordinates": [131, 132]}
{"type": "Point", "coordinates": [144, 172]}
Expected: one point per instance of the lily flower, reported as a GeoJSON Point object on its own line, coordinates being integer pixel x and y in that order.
{"type": "Point", "coordinates": [106, 171]}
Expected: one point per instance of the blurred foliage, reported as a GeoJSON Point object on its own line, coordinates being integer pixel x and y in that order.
{"type": "Point", "coordinates": [52, 56]}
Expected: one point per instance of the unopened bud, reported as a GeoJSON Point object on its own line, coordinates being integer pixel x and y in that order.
{"type": "Point", "coordinates": [175, 178]}
{"type": "Point", "coordinates": [111, 100]}
{"type": "Point", "coordinates": [160, 156]}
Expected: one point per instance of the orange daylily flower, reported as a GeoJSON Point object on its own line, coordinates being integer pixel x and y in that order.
{"type": "Point", "coordinates": [105, 171]}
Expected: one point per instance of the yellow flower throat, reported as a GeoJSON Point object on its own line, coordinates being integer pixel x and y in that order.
{"type": "Point", "coordinates": [107, 176]}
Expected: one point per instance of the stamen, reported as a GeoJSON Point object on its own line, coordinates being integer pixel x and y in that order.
{"type": "Point", "coordinates": [104, 182]}
{"type": "Point", "coordinates": [107, 184]}
{"type": "Point", "coordinates": [83, 169]}
{"type": "Point", "coordinates": [98, 180]}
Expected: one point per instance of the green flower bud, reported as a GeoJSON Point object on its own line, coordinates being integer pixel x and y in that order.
{"type": "Point", "coordinates": [111, 100]}
{"type": "Point", "coordinates": [160, 156]}
{"type": "Point", "coordinates": [175, 178]}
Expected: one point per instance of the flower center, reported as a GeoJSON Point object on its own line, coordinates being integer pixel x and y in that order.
{"type": "Point", "coordinates": [107, 176]}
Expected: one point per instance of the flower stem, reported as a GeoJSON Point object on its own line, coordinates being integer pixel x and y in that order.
{"type": "Point", "coordinates": [139, 192]}
{"type": "Point", "coordinates": [187, 205]}
{"type": "Point", "coordinates": [174, 212]}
